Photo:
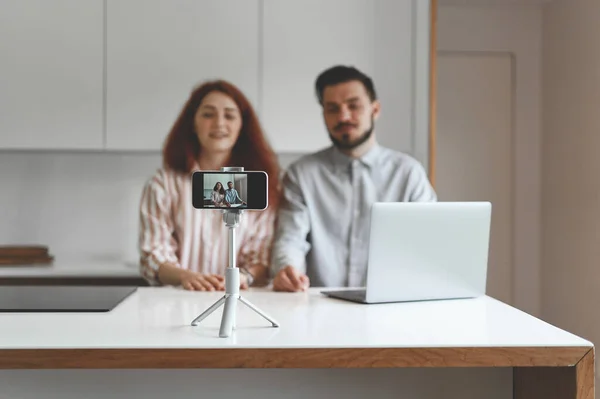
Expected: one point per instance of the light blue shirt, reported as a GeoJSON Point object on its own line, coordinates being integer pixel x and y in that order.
{"type": "Point", "coordinates": [323, 225]}
{"type": "Point", "coordinates": [231, 196]}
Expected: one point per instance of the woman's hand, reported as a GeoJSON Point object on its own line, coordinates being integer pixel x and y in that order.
{"type": "Point", "coordinates": [243, 282]}
{"type": "Point", "coordinates": [202, 282]}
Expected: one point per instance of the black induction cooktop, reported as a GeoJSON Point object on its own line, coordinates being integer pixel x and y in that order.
{"type": "Point", "coordinates": [62, 298]}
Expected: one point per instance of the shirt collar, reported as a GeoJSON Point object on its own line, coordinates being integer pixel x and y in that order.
{"type": "Point", "coordinates": [341, 161]}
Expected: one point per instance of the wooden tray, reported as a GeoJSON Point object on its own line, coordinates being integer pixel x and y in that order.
{"type": "Point", "coordinates": [23, 250]}
{"type": "Point", "coordinates": [24, 255]}
{"type": "Point", "coordinates": [26, 261]}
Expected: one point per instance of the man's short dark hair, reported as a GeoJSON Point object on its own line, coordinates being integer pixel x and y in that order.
{"type": "Point", "coordinates": [229, 182]}
{"type": "Point", "coordinates": [342, 74]}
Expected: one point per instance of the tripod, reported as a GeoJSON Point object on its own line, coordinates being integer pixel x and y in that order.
{"type": "Point", "coordinates": [232, 282]}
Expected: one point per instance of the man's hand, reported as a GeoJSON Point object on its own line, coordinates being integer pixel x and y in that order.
{"type": "Point", "coordinates": [288, 279]}
{"type": "Point", "coordinates": [202, 282]}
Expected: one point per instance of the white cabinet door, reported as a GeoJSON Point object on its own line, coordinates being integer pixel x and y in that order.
{"type": "Point", "coordinates": [51, 74]}
{"type": "Point", "coordinates": [381, 38]}
{"type": "Point", "coordinates": [158, 51]}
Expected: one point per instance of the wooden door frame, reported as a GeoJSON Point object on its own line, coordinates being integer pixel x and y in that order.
{"type": "Point", "coordinates": [432, 89]}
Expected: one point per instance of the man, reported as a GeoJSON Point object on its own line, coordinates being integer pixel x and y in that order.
{"type": "Point", "coordinates": [323, 228]}
{"type": "Point", "coordinates": [232, 196]}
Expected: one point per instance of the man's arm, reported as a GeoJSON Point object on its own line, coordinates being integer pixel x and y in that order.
{"type": "Point", "coordinates": [419, 187]}
{"type": "Point", "coordinates": [293, 225]}
{"type": "Point", "coordinates": [237, 197]}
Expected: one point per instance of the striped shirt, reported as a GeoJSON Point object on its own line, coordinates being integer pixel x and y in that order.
{"type": "Point", "coordinates": [172, 230]}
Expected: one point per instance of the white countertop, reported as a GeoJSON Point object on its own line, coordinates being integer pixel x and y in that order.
{"type": "Point", "coordinates": [74, 268]}
{"type": "Point", "coordinates": [160, 317]}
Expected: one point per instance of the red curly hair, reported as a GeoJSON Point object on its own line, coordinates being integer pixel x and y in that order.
{"type": "Point", "coordinates": [252, 150]}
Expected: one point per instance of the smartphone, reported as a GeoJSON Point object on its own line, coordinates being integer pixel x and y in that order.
{"type": "Point", "coordinates": [230, 190]}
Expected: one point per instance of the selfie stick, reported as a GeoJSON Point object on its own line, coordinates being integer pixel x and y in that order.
{"type": "Point", "coordinates": [231, 217]}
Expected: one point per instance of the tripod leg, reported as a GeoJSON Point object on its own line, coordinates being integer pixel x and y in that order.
{"type": "Point", "coordinates": [228, 317]}
{"type": "Point", "coordinates": [208, 311]}
{"type": "Point", "coordinates": [257, 310]}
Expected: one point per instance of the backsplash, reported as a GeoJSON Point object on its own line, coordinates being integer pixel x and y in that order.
{"type": "Point", "coordinates": [83, 205]}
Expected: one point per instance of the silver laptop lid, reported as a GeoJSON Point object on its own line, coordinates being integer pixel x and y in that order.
{"type": "Point", "coordinates": [428, 250]}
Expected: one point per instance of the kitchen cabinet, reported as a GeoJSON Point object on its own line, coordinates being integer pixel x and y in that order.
{"type": "Point", "coordinates": [51, 79]}
{"type": "Point", "coordinates": [113, 75]}
{"type": "Point", "coordinates": [211, 179]}
{"type": "Point", "coordinates": [387, 39]}
{"type": "Point", "coordinates": [158, 51]}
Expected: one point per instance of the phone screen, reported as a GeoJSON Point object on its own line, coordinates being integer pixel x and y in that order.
{"type": "Point", "coordinates": [230, 190]}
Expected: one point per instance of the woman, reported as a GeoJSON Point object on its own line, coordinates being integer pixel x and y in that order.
{"type": "Point", "coordinates": [181, 245]}
{"type": "Point", "coordinates": [218, 196]}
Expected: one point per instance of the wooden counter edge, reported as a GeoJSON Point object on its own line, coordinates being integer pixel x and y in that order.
{"type": "Point", "coordinates": [160, 358]}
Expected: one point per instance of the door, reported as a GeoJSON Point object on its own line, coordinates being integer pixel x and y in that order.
{"type": "Point", "coordinates": [474, 142]}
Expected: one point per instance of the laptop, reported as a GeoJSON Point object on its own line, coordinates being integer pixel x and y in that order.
{"type": "Point", "coordinates": [421, 251]}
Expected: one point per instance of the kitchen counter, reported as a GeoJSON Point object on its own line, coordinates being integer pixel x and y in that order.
{"type": "Point", "coordinates": [73, 271]}
{"type": "Point", "coordinates": [151, 329]}
{"type": "Point", "coordinates": [73, 268]}
{"type": "Point", "coordinates": [158, 318]}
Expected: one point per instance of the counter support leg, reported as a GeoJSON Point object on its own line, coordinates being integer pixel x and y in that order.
{"type": "Point", "coordinates": [576, 382]}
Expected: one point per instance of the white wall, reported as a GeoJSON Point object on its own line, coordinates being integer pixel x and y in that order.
{"type": "Point", "coordinates": [570, 167]}
{"type": "Point", "coordinates": [82, 205]}
{"type": "Point", "coordinates": [516, 30]}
